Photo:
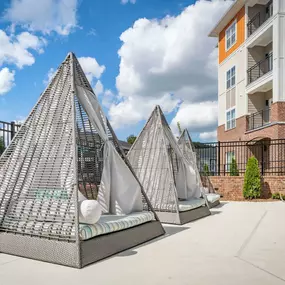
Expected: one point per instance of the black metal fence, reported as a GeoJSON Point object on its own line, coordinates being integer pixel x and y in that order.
{"type": "Point", "coordinates": [260, 68]}
{"type": "Point", "coordinates": [7, 132]}
{"type": "Point", "coordinates": [258, 119]}
{"type": "Point", "coordinates": [216, 158]}
{"type": "Point", "coordinates": [261, 17]}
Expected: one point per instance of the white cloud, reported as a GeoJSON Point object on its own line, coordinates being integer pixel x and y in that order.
{"type": "Point", "coordinates": [99, 88]}
{"type": "Point", "coordinates": [108, 98]}
{"type": "Point", "coordinates": [7, 78]}
{"type": "Point", "coordinates": [17, 49]}
{"type": "Point", "coordinates": [137, 108]}
{"type": "Point", "coordinates": [128, 1]}
{"type": "Point", "coordinates": [20, 120]}
{"type": "Point", "coordinates": [92, 68]}
{"type": "Point", "coordinates": [198, 117]}
{"type": "Point", "coordinates": [51, 73]}
{"type": "Point", "coordinates": [208, 136]}
{"type": "Point", "coordinates": [169, 60]}
{"type": "Point", "coordinates": [27, 40]}
{"type": "Point", "coordinates": [45, 16]}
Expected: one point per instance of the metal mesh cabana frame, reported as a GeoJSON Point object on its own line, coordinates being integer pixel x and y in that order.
{"type": "Point", "coordinates": [158, 162]}
{"type": "Point", "coordinates": [57, 152]}
{"type": "Point", "coordinates": [188, 148]}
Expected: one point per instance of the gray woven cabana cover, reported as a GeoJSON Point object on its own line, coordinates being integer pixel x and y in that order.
{"type": "Point", "coordinates": [66, 144]}
{"type": "Point", "coordinates": [160, 165]}
{"type": "Point", "coordinates": [188, 148]}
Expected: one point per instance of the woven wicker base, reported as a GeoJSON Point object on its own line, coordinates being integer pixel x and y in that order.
{"type": "Point", "coordinates": [92, 250]}
{"type": "Point", "coordinates": [215, 204]}
{"type": "Point", "coordinates": [169, 218]}
{"type": "Point", "coordinates": [183, 217]}
{"type": "Point", "coordinates": [42, 249]}
{"type": "Point", "coordinates": [104, 246]}
{"type": "Point", "coordinates": [189, 216]}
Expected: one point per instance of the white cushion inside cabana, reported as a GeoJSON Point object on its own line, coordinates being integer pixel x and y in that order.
{"type": "Point", "coordinates": [112, 223]}
{"type": "Point", "coordinates": [191, 204]}
{"type": "Point", "coordinates": [185, 205]}
{"type": "Point", "coordinates": [106, 224]}
{"type": "Point", "coordinates": [212, 197]}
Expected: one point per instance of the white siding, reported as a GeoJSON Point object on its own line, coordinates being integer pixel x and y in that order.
{"type": "Point", "coordinates": [279, 57]}
{"type": "Point", "coordinates": [237, 59]}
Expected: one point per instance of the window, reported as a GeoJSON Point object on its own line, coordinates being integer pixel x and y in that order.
{"type": "Point", "coordinates": [231, 77]}
{"type": "Point", "coordinates": [229, 156]}
{"type": "Point", "coordinates": [231, 119]}
{"type": "Point", "coordinates": [231, 35]}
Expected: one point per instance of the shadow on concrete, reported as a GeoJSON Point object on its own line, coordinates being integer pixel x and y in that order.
{"type": "Point", "coordinates": [222, 204]}
{"type": "Point", "coordinates": [169, 231]}
{"type": "Point", "coordinates": [172, 230]}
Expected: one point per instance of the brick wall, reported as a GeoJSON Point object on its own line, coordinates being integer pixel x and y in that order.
{"type": "Point", "coordinates": [235, 134]}
{"type": "Point", "coordinates": [276, 131]}
{"type": "Point", "coordinates": [278, 112]}
{"type": "Point", "coordinates": [231, 187]}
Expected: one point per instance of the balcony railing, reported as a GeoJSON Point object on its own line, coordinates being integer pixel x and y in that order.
{"type": "Point", "coordinates": [258, 119]}
{"type": "Point", "coordinates": [260, 68]}
{"type": "Point", "coordinates": [259, 19]}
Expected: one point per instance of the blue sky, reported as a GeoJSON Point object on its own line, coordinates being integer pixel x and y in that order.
{"type": "Point", "coordinates": [92, 29]}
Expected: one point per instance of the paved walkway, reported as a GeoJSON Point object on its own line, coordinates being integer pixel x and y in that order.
{"type": "Point", "coordinates": [241, 243]}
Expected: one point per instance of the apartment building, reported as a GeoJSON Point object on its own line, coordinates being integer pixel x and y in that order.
{"type": "Point", "coordinates": [251, 75]}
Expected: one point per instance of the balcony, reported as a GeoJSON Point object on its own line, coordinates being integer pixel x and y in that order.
{"type": "Point", "coordinates": [264, 14]}
{"type": "Point", "coordinates": [260, 69]}
{"type": "Point", "coordinates": [258, 119]}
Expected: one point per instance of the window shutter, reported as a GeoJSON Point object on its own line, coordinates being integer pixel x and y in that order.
{"type": "Point", "coordinates": [231, 98]}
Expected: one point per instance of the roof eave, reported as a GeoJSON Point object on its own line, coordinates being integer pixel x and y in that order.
{"type": "Point", "coordinates": [227, 17]}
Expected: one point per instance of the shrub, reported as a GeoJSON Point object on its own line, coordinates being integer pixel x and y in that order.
{"type": "Point", "coordinates": [252, 180]}
{"type": "Point", "coordinates": [278, 196]}
{"type": "Point", "coordinates": [206, 171]}
{"type": "Point", "coordinates": [234, 168]}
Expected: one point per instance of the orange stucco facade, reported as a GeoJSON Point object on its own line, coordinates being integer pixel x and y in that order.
{"type": "Point", "coordinates": [240, 19]}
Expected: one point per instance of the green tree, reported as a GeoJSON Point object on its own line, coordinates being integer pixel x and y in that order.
{"type": "Point", "coordinates": [200, 145]}
{"type": "Point", "coordinates": [234, 168]}
{"type": "Point", "coordinates": [131, 139]}
{"type": "Point", "coordinates": [2, 146]}
{"type": "Point", "coordinates": [252, 180]}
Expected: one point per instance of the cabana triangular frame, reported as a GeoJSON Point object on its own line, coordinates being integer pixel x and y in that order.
{"type": "Point", "coordinates": [163, 171]}
{"type": "Point", "coordinates": [189, 151]}
{"type": "Point", "coordinates": [66, 148]}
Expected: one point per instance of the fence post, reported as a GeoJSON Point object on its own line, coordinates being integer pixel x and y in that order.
{"type": "Point", "coordinates": [219, 158]}
{"type": "Point", "coordinates": [262, 158]}
{"type": "Point", "coordinates": [12, 130]}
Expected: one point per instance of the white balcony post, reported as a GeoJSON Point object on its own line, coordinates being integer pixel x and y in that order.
{"type": "Point", "coordinates": [278, 50]}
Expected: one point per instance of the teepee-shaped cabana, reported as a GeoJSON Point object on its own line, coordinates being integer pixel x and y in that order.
{"type": "Point", "coordinates": [170, 184]}
{"type": "Point", "coordinates": [65, 153]}
{"type": "Point", "coordinates": [187, 147]}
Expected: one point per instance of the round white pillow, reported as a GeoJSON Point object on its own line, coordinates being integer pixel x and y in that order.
{"type": "Point", "coordinates": [206, 190]}
{"type": "Point", "coordinates": [89, 211]}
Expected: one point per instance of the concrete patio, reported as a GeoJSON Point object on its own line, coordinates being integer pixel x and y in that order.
{"type": "Point", "coordinates": [241, 243]}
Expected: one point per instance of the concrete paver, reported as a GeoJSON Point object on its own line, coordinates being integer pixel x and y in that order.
{"type": "Point", "coordinates": [240, 243]}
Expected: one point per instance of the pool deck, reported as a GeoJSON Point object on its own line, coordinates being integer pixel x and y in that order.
{"type": "Point", "coordinates": [240, 243]}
